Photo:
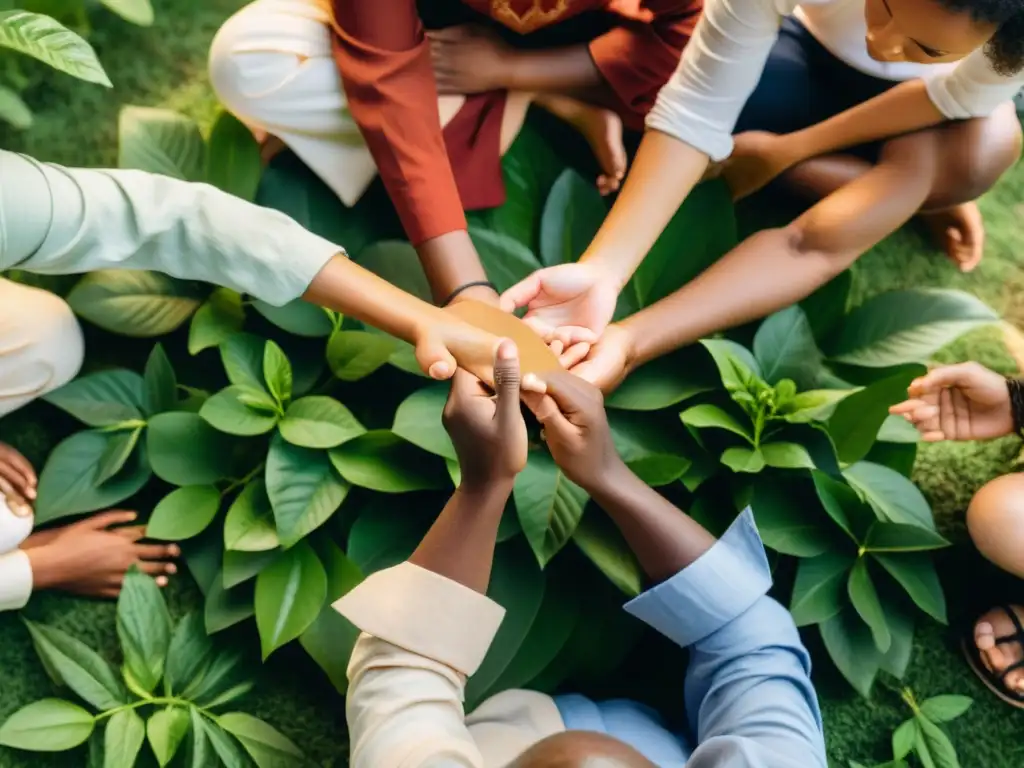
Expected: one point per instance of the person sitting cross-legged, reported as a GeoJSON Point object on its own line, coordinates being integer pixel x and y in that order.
{"type": "Point", "coordinates": [426, 624]}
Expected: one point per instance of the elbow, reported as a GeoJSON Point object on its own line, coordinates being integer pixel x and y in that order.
{"type": "Point", "coordinates": [813, 244]}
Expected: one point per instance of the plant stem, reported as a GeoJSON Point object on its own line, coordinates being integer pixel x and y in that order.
{"type": "Point", "coordinates": [235, 484]}
{"type": "Point", "coordinates": [908, 698]}
{"type": "Point", "coordinates": [170, 701]}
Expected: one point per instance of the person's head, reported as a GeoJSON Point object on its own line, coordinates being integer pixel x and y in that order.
{"type": "Point", "coordinates": [581, 749]}
{"type": "Point", "coordinates": [938, 31]}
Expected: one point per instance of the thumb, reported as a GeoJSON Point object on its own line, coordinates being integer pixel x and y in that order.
{"type": "Point", "coordinates": [507, 379]}
{"type": "Point", "coordinates": [434, 359]}
{"type": "Point", "coordinates": [958, 375]}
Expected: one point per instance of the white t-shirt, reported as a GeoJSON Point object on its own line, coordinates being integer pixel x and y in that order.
{"type": "Point", "coordinates": [723, 62]}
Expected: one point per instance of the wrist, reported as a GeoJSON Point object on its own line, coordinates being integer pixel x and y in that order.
{"type": "Point", "coordinates": [45, 564]}
{"type": "Point", "coordinates": [476, 290]}
{"type": "Point", "coordinates": [485, 489]}
{"type": "Point", "coordinates": [608, 480]}
{"type": "Point", "coordinates": [611, 271]}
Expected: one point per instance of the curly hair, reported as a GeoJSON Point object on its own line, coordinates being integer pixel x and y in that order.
{"type": "Point", "coordinates": [1006, 48]}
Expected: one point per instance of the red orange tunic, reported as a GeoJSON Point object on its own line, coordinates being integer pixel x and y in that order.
{"type": "Point", "coordinates": [432, 175]}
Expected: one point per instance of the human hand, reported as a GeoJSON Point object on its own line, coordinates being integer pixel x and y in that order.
{"type": "Point", "coordinates": [469, 58]}
{"type": "Point", "coordinates": [608, 362]}
{"type": "Point", "coordinates": [579, 298]}
{"type": "Point", "coordinates": [18, 481]}
{"type": "Point", "coordinates": [91, 557]}
{"type": "Point", "coordinates": [576, 429]}
{"type": "Point", "coordinates": [757, 158]}
{"type": "Point", "coordinates": [958, 402]}
{"type": "Point", "coordinates": [488, 431]}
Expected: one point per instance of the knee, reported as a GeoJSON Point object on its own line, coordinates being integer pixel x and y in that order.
{"type": "Point", "coordinates": [995, 520]}
{"type": "Point", "coordinates": [975, 158]}
{"type": "Point", "coordinates": [55, 339]}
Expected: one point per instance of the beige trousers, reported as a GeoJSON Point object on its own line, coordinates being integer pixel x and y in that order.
{"type": "Point", "coordinates": [41, 345]}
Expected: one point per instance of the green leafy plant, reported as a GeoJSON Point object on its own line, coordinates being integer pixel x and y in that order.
{"type": "Point", "coordinates": [172, 690]}
{"type": "Point", "coordinates": [311, 453]}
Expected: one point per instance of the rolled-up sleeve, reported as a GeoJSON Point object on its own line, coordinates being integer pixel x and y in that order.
{"type": "Point", "coordinates": [719, 70]}
{"type": "Point", "coordinates": [422, 636]}
{"type": "Point", "coordinates": [748, 691]}
{"type": "Point", "coordinates": [973, 88]}
{"type": "Point", "coordinates": [15, 568]}
{"type": "Point", "coordinates": [56, 220]}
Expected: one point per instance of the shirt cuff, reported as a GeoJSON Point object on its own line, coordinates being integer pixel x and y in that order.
{"type": "Point", "coordinates": [426, 614]}
{"type": "Point", "coordinates": [702, 598]}
{"type": "Point", "coordinates": [15, 580]}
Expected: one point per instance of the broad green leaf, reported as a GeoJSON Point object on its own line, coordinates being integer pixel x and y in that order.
{"type": "Point", "coordinates": [900, 537]}
{"type": "Point", "coordinates": [41, 37]}
{"type": "Point", "coordinates": [160, 141]}
{"type": "Point", "coordinates": [707, 416]}
{"type": "Point", "coordinates": [855, 422]}
{"type": "Point", "coordinates": [144, 628]}
{"type": "Point", "coordinates": [240, 411]}
{"type": "Point", "coordinates": [123, 740]}
{"type": "Point", "coordinates": [813, 405]}
{"type": "Point", "coordinates": [599, 539]}
{"type": "Point", "coordinates": [382, 461]}
{"type": "Point", "coordinates": [330, 639]}
{"type": "Point", "coordinates": [517, 584]}
{"type": "Point", "coordinates": [101, 399]}
{"type": "Point", "coordinates": [289, 596]}
{"type": "Point", "coordinates": [242, 356]}
{"type": "Point", "coordinates": [160, 383]}
{"type": "Point", "coordinates": [418, 420]}
{"type": "Point", "coordinates": [785, 524]}
{"type": "Point", "coordinates": [189, 654]}
{"type": "Point", "coordinates": [228, 677]}
{"type": "Point", "coordinates": [826, 307]}
{"type": "Point", "coordinates": [67, 484]}
{"type": "Point", "coordinates": [119, 449]}
{"type": "Point", "coordinates": [267, 746]}
{"type": "Point", "coordinates": [385, 534]}
{"type": "Point", "coordinates": [354, 355]}
{"type": "Point", "coordinates": [277, 372]}
{"type": "Point", "coordinates": [890, 494]}
{"type": "Point", "coordinates": [13, 110]}
{"type": "Point", "coordinates": [49, 725]}
{"type": "Point", "coordinates": [865, 601]}
{"type": "Point", "coordinates": [743, 459]}
{"type": "Point", "coordinates": [573, 212]}
{"type": "Point", "coordinates": [184, 513]}
{"type": "Point", "coordinates": [233, 161]}
{"type": "Point", "coordinates": [77, 666]}
{"type": "Point", "coordinates": [227, 749]}
{"type": "Point", "coordinates": [396, 261]}
{"type": "Point", "coordinates": [166, 729]}
{"type": "Point", "coordinates": [900, 621]}
{"type": "Point", "coordinates": [653, 450]}
{"type": "Point", "coordinates": [249, 525]}
{"type": "Point", "coordinates": [185, 450]}
{"type": "Point", "coordinates": [304, 489]}
{"type": "Point", "coordinates": [200, 749]}
{"type": "Point", "coordinates": [219, 318]}
{"type": "Point", "coordinates": [851, 647]}
{"type": "Point", "coordinates": [505, 260]}
{"type": "Point", "coordinates": [549, 505]}
{"type": "Point", "coordinates": [786, 456]}
{"type": "Point", "coordinates": [943, 709]}
{"type": "Point", "coordinates": [916, 574]}
{"type": "Point", "coordinates": [138, 12]}
{"type": "Point", "coordinates": [239, 567]}
{"type": "Point", "coordinates": [910, 325]}
{"type": "Point", "coordinates": [896, 429]}
{"type": "Point", "coordinates": [818, 593]}
{"type": "Point", "coordinates": [319, 422]}
{"type": "Point", "coordinates": [665, 381]}
{"type": "Point", "coordinates": [844, 506]}
{"type": "Point", "coordinates": [784, 347]}
{"type": "Point", "coordinates": [903, 739]}
{"type": "Point", "coordinates": [933, 745]}
{"type": "Point", "coordinates": [138, 304]}
{"type": "Point", "coordinates": [227, 607]}
{"type": "Point", "coordinates": [298, 317]}
{"type": "Point", "coordinates": [736, 365]}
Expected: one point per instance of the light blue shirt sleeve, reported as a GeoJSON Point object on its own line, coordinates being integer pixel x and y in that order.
{"type": "Point", "coordinates": [56, 220]}
{"type": "Point", "coordinates": [749, 697]}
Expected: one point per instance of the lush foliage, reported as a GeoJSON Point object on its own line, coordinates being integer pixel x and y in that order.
{"type": "Point", "coordinates": [311, 453]}
{"type": "Point", "coordinates": [175, 676]}
{"type": "Point", "coordinates": [923, 735]}
{"type": "Point", "coordinates": [52, 31]}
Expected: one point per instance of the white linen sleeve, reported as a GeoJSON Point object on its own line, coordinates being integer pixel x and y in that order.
{"type": "Point", "coordinates": [973, 88]}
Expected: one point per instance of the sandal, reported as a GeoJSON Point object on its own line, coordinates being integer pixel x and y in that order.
{"type": "Point", "coordinates": [996, 681]}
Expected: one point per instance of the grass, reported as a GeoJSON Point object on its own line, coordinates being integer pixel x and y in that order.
{"type": "Point", "coordinates": [165, 66]}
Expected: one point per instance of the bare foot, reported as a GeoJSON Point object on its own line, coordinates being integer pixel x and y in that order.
{"type": "Point", "coordinates": [960, 232]}
{"type": "Point", "coordinates": [602, 129]}
{"type": "Point", "coordinates": [998, 656]}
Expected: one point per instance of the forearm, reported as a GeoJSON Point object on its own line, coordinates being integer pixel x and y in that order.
{"type": "Point", "coordinates": [568, 71]}
{"type": "Point", "coordinates": [664, 172]}
{"type": "Point", "coordinates": [664, 539]}
{"type": "Point", "coordinates": [451, 261]}
{"type": "Point", "coordinates": [460, 543]}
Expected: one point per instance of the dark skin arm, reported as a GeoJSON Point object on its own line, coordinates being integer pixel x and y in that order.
{"type": "Point", "coordinates": [489, 435]}
{"type": "Point", "coordinates": [664, 539]}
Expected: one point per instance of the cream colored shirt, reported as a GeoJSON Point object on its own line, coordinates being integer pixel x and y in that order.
{"type": "Point", "coordinates": [56, 220]}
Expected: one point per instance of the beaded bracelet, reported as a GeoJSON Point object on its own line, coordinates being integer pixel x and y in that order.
{"type": "Point", "coordinates": [1016, 389]}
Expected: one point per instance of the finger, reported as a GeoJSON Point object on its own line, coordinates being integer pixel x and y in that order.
{"type": "Point", "coordinates": [933, 437]}
{"type": "Point", "coordinates": [958, 375]}
{"type": "Point", "coordinates": [547, 412]}
{"type": "Point", "coordinates": [464, 386]}
{"type": "Point", "coordinates": [506, 383]}
{"type": "Point", "coordinates": [907, 406]}
{"type": "Point", "coordinates": [155, 568]}
{"type": "Point", "coordinates": [947, 418]}
{"type": "Point", "coordinates": [435, 360]}
{"type": "Point", "coordinates": [542, 329]}
{"type": "Point", "coordinates": [577, 353]}
{"type": "Point", "coordinates": [926, 415]}
{"type": "Point", "coordinates": [522, 293]}
{"type": "Point", "coordinates": [557, 347]}
{"type": "Point", "coordinates": [569, 391]}
{"type": "Point", "coordinates": [962, 413]}
{"type": "Point", "coordinates": [14, 501]}
{"type": "Point", "coordinates": [533, 383]}
{"type": "Point", "coordinates": [21, 465]}
{"type": "Point", "coordinates": [131, 533]}
{"type": "Point", "coordinates": [573, 334]}
{"type": "Point", "coordinates": [109, 518]}
{"type": "Point", "coordinates": [157, 552]}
